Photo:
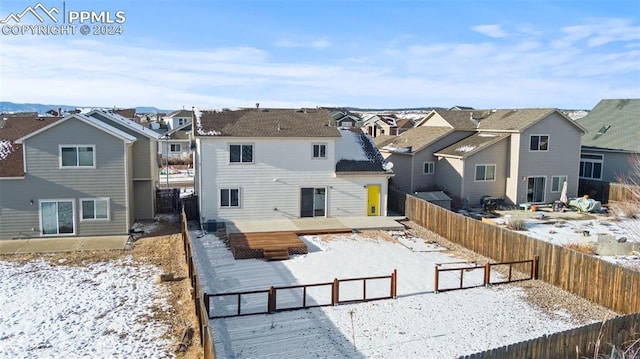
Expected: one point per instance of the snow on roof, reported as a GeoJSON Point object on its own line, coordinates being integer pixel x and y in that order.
{"type": "Point", "coordinates": [349, 147]}
{"type": "Point", "coordinates": [129, 123]}
{"type": "Point", "coordinates": [5, 149]}
{"type": "Point", "coordinates": [356, 152]}
{"type": "Point", "coordinates": [465, 148]}
{"type": "Point", "coordinates": [198, 114]}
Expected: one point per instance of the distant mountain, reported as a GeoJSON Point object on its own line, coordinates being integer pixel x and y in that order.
{"type": "Point", "coordinates": [11, 107]}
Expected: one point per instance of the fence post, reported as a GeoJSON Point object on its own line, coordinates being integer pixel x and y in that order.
{"type": "Point", "coordinates": [394, 284]}
{"type": "Point", "coordinates": [335, 289]}
{"type": "Point", "coordinates": [271, 302]}
{"type": "Point", "coordinates": [534, 267]}
{"type": "Point", "coordinates": [436, 279]}
{"type": "Point", "coordinates": [487, 274]}
{"type": "Point", "coordinates": [205, 297]}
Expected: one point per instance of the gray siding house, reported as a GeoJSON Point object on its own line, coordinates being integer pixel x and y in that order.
{"type": "Point", "coordinates": [64, 177]}
{"type": "Point", "coordinates": [612, 140]}
{"type": "Point", "coordinates": [145, 166]}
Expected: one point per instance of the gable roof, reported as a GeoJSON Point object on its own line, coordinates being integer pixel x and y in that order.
{"type": "Point", "coordinates": [126, 112]}
{"type": "Point", "coordinates": [472, 144]}
{"type": "Point", "coordinates": [518, 120]}
{"type": "Point", "coordinates": [181, 113]}
{"type": "Point", "coordinates": [11, 158]}
{"type": "Point", "coordinates": [613, 124]}
{"type": "Point", "coordinates": [265, 123]}
{"type": "Point", "coordinates": [413, 140]}
{"type": "Point", "coordinates": [356, 154]}
{"type": "Point", "coordinates": [457, 119]}
{"type": "Point", "coordinates": [116, 118]}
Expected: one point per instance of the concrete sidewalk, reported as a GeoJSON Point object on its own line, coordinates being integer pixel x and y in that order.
{"type": "Point", "coordinates": [62, 244]}
{"type": "Point", "coordinates": [307, 224]}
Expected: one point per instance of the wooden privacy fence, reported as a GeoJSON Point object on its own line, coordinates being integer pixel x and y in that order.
{"type": "Point", "coordinates": [271, 305]}
{"type": "Point", "coordinates": [605, 191]}
{"type": "Point", "coordinates": [206, 338]}
{"type": "Point", "coordinates": [528, 274]}
{"type": "Point", "coordinates": [598, 281]}
{"type": "Point", "coordinates": [167, 200]}
{"type": "Point", "coordinates": [582, 342]}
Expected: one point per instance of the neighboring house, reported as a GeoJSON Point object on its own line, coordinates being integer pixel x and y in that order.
{"type": "Point", "coordinates": [380, 125]}
{"type": "Point", "coordinates": [178, 119]}
{"type": "Point", "coordinates": [520, 155]}
{"type": "Point", "coordinates": [284, 163]}
{"type": "Point", "coordinates": [64, 177]}
{"type": "Point", "coordinates": [612, 140]}
{"type": "Point", "coordinates": [177, 144]}
{"type": "Point", "coordinates": [145, 169]}
{"type": "Point", "coordinates": [403, 125]}
{"type": "Point", "coordinates": [344, 118]}
{"type": "Point", "coordinates": [412, 152]}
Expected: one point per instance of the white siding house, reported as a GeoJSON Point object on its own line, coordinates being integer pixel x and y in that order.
{"type": "Point", "coordinates": [274, 164]}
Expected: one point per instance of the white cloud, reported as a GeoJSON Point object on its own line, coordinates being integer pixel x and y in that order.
{"type": "Point", "coordinates": [494, 31]}
{"type": "Point", "coordinates": [315, 44]}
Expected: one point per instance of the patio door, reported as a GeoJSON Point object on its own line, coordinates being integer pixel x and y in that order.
{"type": "Point", "coordinates": [57, 217]}
{"type": "Point", "coordinates": [535, 189]}
{"type": "Point", "coordinates": [313, 202]}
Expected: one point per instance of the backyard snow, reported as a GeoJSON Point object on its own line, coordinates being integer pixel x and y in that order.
{"type": "Point", "coordinates": [101, 310]}
{"type": "Point", "coordinates": [418, 324]}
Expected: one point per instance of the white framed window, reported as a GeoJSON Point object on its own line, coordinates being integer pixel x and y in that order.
{"type": "Point", "coordinates": [175, 147]}
{"type": "Point", "coordinates": [77, 156]}
{"type": "Point", "coordinates": [241, 153]}
{"type": "Point", "coordinates": [539, 143]}
{"type": "Point", "coordinates": [57, 217]}
{"type": "Point", "coordinates": [591, 166]}
{"type": "Point", "coordinates": [557, 182]}
{"type": "Point", "coordinates": [182, 121]}
{"type": "Point", "coordinates": [319, 151]}
{"type": "Point", "coordinates": [229, 197]}
{"type": "Point", "coordinates": [485, 172]}
{"type": "Point", "coordinates": [94, 208]}
{"type": "Point", "coordinates": [428, 168]}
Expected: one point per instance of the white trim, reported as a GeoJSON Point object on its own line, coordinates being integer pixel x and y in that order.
{"type": "Point", "coordinates": [326, 147]}
{"type": "Point", "coordinates": [539, 135]}
{"type": "Point", "coordinates": [592, 161]}
{"type": "Point", "coordinates": [88, 120]}
{"type": "Point", "coordinates": [73, 216]}
{"type": "Point", "coordinates": [220, 189]}
{"type": "Point", "coordinates": [433, 167]}
{"type": "Point", "coordinates": [93, 153]}
{"type": "Point", "coordinates": [475, 171]}
{"type": "Point", "coordinates": [253, 152]}
{"type": "Point", "coordinates": [125, 122]}
{"type": "Point", "coordinates": [94, 199]}
{"type": "Point", "coordinates": [544, 190]}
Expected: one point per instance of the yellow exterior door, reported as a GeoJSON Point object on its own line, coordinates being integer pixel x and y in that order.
{"type": "Point", "coordinates": [373, 200]}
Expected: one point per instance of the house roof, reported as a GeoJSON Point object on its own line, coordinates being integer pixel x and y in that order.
{"type": "Point", "coordinates": [265, 123]}
{"type": "Point", "coordinates": [11, 158]}
{"type": "Point", "coordinates": [404, 123]}
{"type": "Point", "coordinates": [181, 113]}
{"type": "Point", "coordinates": [472, 144]}
{"type": "Point", "coordinates": [126, 112]}
{"type": "Point", "coordinates": [356, 154]}
{"type": "Point", "coordinates": [136, 127]}
{"type": "Point", "coordinates": [460, 120]}
{"type": "Point", "coordinates": [413, 140]}
{"type": "Point", "coordinates": [613, 124]}
{"type": "Point", "coordinates": [515, 120]}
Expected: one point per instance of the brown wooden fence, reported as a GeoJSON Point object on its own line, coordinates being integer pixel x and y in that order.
{"type": "Point", "coordinates": [601, 282]}
{"type": "Point", "coordinates": [604, 192]}
{"type": "Point", "coordinates": [396, 201]}
{"type": "Point", "coordinates": [206, 337]}
{"type": "Point", "coordinates": [525, 270]}
{"type": "Point", "coordinates": [270, 305]}
{"type": "Point", "coordinates": [167, 200]}
{"type": "Point", "coordinates": [596, 338]}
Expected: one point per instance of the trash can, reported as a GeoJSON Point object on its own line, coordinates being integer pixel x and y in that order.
{"type": "Point", "coordinates": [557, 206]}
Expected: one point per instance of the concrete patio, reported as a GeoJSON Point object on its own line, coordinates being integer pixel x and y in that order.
{"type": "Point", "coordinates": [62, 244]}
{"type": "Point", "coordinates": [315, 224]}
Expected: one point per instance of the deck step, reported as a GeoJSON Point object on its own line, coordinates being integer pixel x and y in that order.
{"type": "Point", "coordinates": [276, 254]}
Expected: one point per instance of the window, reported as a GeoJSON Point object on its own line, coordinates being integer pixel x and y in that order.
{"type": "Point", "coordinates": [591, 166]}
{"type": "Point", "coordinates": [428, 168]}
{"type": "Point", "coordinates": [77, 156]}
{"type": "Point", "coordinates": [539, 143]}
{"type": "Point", "coordinates": [241, 153]}
{"type": "Point", "coordinates": [485, 172]}
{"type": "Point", "coordinates": [94, 208]}
{"type": "Point", "coordinates": [182, 121]}
{"type": "Point", "coordinates": [57, 217]}
{"type": "Point", "coordinates": [557, 182]}
{"type": "Point", "coordinates": [176, 147]}
{"type": "Point", "coordinates": [319, 150]}
{"type": "Point", "coordinates": [230, 197]}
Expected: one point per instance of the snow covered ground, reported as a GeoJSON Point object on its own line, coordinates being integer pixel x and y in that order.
{"type": "Point", "coordinates": [418, 324]}
{"type": "Point", "coordinates": [100, 310]}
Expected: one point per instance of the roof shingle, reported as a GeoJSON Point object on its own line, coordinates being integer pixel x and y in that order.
{"type": "Point", "coordinates": [613, 124]}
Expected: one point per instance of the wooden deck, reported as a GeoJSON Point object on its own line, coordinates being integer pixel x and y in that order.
{"type": "Point", "coordinates": [272, 245]}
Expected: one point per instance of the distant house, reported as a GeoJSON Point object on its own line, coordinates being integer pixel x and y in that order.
{"type": "Point", "coordinates": [285, 163]}
{"type": "Point", "coordinates": [178, 119]}
{"type": "Point", "coordinates": [523, 155]}
{"type": "Point", "coordinates": [611, 141]}
{"type": "Point", "coordinates": [380, 125]}
{"type": "Point", "coordinates": [177, 144]}
{"type": "Point", "coordinates": [461, 108]}
{"type": "Point", "coordinates": [65, 177]}
{"type": "Point", "coordinates": [344, 118]}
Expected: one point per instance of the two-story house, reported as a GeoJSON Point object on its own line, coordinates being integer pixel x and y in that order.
{"type": "Point", "coordinates": [285, 163]}
{"type": "Point", "coordinates": [65, 177]}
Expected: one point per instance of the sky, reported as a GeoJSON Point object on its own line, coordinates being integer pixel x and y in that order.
{"type": "Point", "coordinates": [567, 54]}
